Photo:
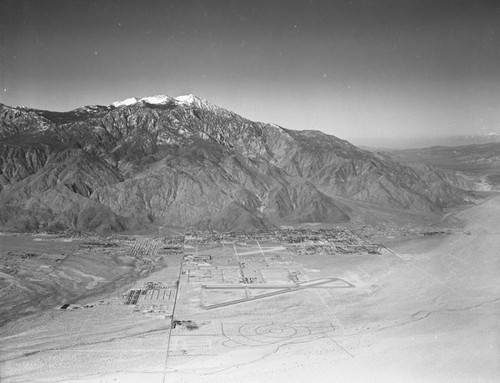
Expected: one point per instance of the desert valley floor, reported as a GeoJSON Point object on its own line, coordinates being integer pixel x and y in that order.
{"type": "Point", "coordinates": [191, 309]}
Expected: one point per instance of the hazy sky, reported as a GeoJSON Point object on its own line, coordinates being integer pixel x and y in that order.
{"type": "Point", "coordinates": [349, 68]}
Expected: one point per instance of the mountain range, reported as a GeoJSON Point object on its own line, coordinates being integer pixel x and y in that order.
{"type": "Point", "coordinates": [183, 161]}
{"type": "Point", "coordinates": [481, 161]}
{"type": "Point", "coordinates": [407, 143]}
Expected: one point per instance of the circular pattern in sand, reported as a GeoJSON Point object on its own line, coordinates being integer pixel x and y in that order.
{"type": "Point", "coordinates": [262, 334]}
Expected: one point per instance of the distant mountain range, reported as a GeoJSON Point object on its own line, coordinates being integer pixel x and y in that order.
{"type": "Point", "coordinates": [479, 160]}
{"type": "Point", "coordinates": [400, 143]}
{"type": "Point", "coordinates": [183, 161]}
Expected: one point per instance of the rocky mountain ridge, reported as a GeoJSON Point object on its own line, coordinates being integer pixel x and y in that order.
{"type": "Point", "coordinates": [182, 161]}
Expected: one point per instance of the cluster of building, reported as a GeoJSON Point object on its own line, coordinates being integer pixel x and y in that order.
{"type": "Point", "coordinates": [332, 249]}
{"type": "Point", "coordinates": [198, 260]}
{"type": "Point", "coordinates": [153, 297]}
{"type": "Point", "coordinates": [322, 241]}
{"type": "Point", "coordinates": [282, 235]}
{"type": "Point", "coordinates": [319, 235]}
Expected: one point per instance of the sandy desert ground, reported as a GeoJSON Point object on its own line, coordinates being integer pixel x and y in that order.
{"type": "Point", "coordinates": [427, 311]}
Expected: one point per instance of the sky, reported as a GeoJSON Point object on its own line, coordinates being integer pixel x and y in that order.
{"type": "Point", "coordinates": [360, 70]}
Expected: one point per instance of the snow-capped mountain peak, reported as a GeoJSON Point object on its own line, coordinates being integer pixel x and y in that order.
{"type": "Point", "coordinates": [155, 100]}
{"type": "Point", "coordinates": [188, 100]}
{"type": "Point", "coordinates": [191, 100]}
{"type": "Point", "coordinates": [126, 102]}
{"type": "Point", "coordinates": [158, 99]}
